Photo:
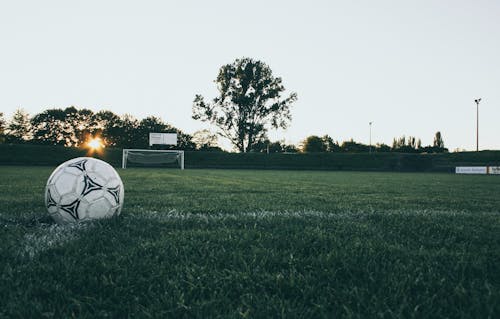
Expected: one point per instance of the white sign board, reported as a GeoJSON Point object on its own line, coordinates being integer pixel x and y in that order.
{"type": "Point", "coordinates": [162, 139]}
{"type": "Point", "coordinates": [494, 170]}
{"type": "Point", "coordinates": [471, 170]}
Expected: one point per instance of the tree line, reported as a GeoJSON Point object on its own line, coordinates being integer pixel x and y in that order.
{"type": "Point", "coordinates": [251, 101]}
{"type": "Point", "coordinates": [72, 127]}
{"type": "Point", "coordinates": [402, 144]}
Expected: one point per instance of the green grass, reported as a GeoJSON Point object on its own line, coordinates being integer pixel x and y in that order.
{"type": "Point", "coordinates": [257, 244]}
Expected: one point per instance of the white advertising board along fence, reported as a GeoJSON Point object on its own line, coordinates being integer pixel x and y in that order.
{"type": "Point", "coordinates": [471, 170]}
{"type": "Point", "coordinates": [494, 170]}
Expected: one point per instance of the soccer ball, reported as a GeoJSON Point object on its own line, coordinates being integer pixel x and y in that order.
{"type": "Point", "coordinates": [83, 188]}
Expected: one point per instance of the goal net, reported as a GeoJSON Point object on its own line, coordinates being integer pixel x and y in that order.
{"type": "Point", "coordinates": [155, 158]}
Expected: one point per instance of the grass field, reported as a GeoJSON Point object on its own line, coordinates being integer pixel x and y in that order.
{"type": "Point", "coordinates": [257, 244]}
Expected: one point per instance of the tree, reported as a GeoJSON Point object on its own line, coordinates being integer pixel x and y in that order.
{"type": "Point", "coordinates": [49, 127]}
{"type": "Point", "coordinates": [275, 147]}
{"type": "Point", "coordinates": [290, 148]}
{"type": "Point", "coordinates": [2, 123]}
{"type": "Point", "coordinates": [69, 127]}
{"type": "Point", "coordinates": [330, 145]}
{"type": "Point", "coordinates": [437, 145]}
{"type": "Point", "coordinates": [124, 132]}
{"type": "Point", "coordinates": [19, 128]}
{"type": "Point", "coordinates": [354, 147]}
{"type": "Point", "coordinates": [184, 140]}
{"type": "Point", "coordinates": [2, 128]}
{"type": "Point", "coordinates": [313, 144]}
{"type": "Point", "coordinates": [117, 131]}
{"type": "Point", "coordinates": [410, 145]}
{"type": "Point", "coordinates": [438, 140]}
{"type": "Point", "coordinates": [412, 142]}
{"type": "Point", "coordinates": [107, 123]}
{"type": "Point", "coordinates": [81, 124]}
{"type": "Point", "coordinates": [205, 141]}
{"type": "Point", "coordinates": [399, 143]}
{"type": "Point", "coordinates": [150, 124]}
{"type": "Point", "coordinates": [250, 100]}
{"type": "Point", "coordinates": [266, 146]}
{"type": "Point", "coordinates": [153, 124]}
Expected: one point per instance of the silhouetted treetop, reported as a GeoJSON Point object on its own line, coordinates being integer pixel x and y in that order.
{"type": "Point", "coordinates": [249, 102]}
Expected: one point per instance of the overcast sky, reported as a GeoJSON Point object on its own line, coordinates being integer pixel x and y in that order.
{"type": "Point", "coordinates": [411, 67]}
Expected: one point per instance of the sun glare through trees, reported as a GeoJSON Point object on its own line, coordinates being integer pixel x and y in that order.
{"type": "Point", "coordinates": [95, 144]}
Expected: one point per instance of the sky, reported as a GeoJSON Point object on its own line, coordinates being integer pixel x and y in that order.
{"type": "Point", "coordinates": [410, 67]}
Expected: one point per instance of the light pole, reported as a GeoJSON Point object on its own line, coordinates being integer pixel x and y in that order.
{"type": "Point", "coordinates": [477, 123]}
{"type": "Point", "coordinates": [370, 136]}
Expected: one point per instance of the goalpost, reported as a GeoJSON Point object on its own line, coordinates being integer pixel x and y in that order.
{"type": "Point", "coordinates": [142, 157]}
{"type": "Point", "coordinates": [152, 157]}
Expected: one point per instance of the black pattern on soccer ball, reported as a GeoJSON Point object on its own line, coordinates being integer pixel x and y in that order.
{"type": "Point", "coordinates": [90, 184]}
{"type": "Point", "coordinates": [115, 191]}
{"type": "Point", "coordinates": [72, 208]}
{"type": "Point", "coordinates": [79, 165]}
{"type": "Point", "coordinates": [50, 199]}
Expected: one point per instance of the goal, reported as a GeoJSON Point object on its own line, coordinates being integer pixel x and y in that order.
{"type": "Point", "coordinates": [157, 158]}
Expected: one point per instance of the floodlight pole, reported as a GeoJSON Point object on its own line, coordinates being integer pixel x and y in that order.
{"type": "Point", "coordinates": [477, 123]}
{"type": "Point", "coordinates": [370, 136]}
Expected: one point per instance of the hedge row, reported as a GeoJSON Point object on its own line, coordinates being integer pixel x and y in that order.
{"type": "Point", "coordinates": [48, 155]}
{"type": "Point", "coordinates": [12, 154]}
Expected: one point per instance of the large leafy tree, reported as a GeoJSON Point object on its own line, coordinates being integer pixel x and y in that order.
{"type": "Point", "coordinates": [80, 124]}
{"type": "Point", "coordinates": [19, 128]}
{"type": "Point", "coordinates": [49, 127]}
{"type": "Point", "coordinates": [126, 131]}
{"type": "Point", "coordinates": [250, 101]}
{"type": "Point", "coordinates": [68, 127]}
{"type": "Point", "coordinates": [107, 126]}
{"type": "Point", "coordinates": [117, 131]}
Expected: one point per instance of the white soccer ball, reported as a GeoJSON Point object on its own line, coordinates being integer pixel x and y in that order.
{"type": "Point", "coordinates": [83, 188]}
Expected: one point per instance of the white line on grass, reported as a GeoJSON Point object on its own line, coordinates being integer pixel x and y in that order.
{"type": "Point", "coordinates": [173, 214]}
{"type": "Point", "coordinates": [50, 236]}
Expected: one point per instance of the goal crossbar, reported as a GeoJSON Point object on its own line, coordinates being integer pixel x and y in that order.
{"type": "Point", "coordinates": [154, 157]}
